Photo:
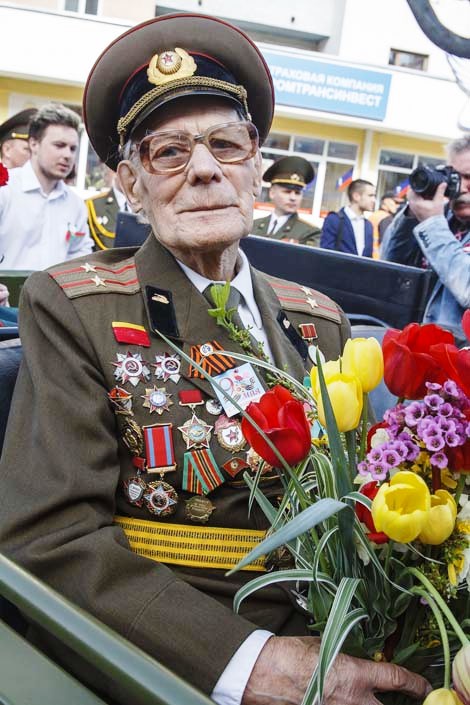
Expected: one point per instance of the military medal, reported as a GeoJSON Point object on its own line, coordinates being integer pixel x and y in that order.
{"type": "Point", "coordinates": [157, 399]}
{"type": "Point", "coordinates": [131, 368]}
{"type": "Point", "coordinates": [229, 434]}
{"type": "Point", "coordinates": [132, 437]}
{"type": "Point", "coordinates": [201, 474]}
{"type": "Point", "coordinates": [209, 357]}
{"type": "Point", "coordinates": [167, 367]}
{"type": "Point", "coordinates": [256, 462]}
{"type": "Point", "coordinates": [134, 489]}
{"type": "Point", "coordinates": [214, 407]}
{"type": "Point", "coordinates": [199, 509]}
{"type": "Point", "coordinates": [196, 433]}
{"type": "Point", "coordinates": [159, 450]}
{"type": "Point", "coordinates": [121, 400]}
{"type": "Point", "coordinates": [161, 498]}
{"type": "Point", "coordinates": [234, 466]}
{"type": "Point", "coordinates": [309, 334]}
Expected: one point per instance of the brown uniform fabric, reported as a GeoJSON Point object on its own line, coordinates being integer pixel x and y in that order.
{"type": "Point", "coordinates": [293, 229]}
{"type": "Point", "coordinates": [64, 461]}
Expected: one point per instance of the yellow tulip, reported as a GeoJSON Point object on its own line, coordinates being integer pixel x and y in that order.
{"type": "Point", "coordinates": [346, 397]}
{"type": "Point", "coordinates": [332, 367]}
{"type": "Point", "coordinates": [400, 508]}
{"type": "Point", "coordinates": [363, 358]}
{"type": "Point", "coordinates": [441, 519]}
{"type": "Point", "coordinates": [443, 696]}
{"type": "Point", "coordinates": [461, 673]}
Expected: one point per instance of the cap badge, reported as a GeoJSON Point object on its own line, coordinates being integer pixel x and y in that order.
{"type": "Point", "coordinates": [295, 177]}
{"type": "Point", "coordinates": [169, 66]}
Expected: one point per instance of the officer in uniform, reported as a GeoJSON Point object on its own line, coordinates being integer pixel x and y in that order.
{"type": "Point", "coordinates": [288, 177]}
{"type": "Point", "coordinates": [122, 474]}
{"type": "Point", "coordinates": [14, 149]}
{"type": "Point", "coordinates": [103, 209]}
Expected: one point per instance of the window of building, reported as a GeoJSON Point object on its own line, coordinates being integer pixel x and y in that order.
{"type": "Point", "coordinates": [395, 168]}
{"type": "Point", "coordinates": [83, 7]}
{"type": "Point", "coordinates": [333, 163]}
{"type": "Point", "coordinates": [408, 60]}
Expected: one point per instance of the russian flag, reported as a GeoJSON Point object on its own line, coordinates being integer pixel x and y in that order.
{"type": "Point", "coordinates": [344, 180]}
{"type": "Point", "coordinates": [402, 188]}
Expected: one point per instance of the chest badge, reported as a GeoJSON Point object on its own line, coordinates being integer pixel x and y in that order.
{"type": "Point", "coordinates": [130, 367]}
{"type": "Point", "coordinates": [156, 399]}
{"type": "Point", "coordinates": [167, 367]}
{"type": "Point", "coordinates": [229, 434]}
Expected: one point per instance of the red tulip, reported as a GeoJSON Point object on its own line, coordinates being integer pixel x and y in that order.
{"type": "Point", "coordinates": [455, 364]}
{"type": "Point", "coordinates": [459, 457]}
{"type": "Point", "coordinates": [3, 175]}
{"type": "Point", "coordinates": [370, 489]}
{"type": "Point", "coordinates": [466, 323]}
{"type": "Point", "coordinates": [408, 363]}
{"type": "Point", "coordinates": [283, 420]}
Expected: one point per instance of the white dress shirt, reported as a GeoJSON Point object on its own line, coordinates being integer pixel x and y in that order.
{"type": "Point", "coordinates": [248, 309]}
{"type": "Point", "coordinates": [37, 229]}
{"type": "Point", "coordinates": [279, 220]}
{"type": "Point", "coordinates": [358, 223]}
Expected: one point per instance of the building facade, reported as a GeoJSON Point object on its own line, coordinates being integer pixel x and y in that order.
{"type": "Point", "coordinates": [360, 90]}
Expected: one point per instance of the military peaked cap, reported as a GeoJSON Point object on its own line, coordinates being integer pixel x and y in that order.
{"type": "Point", "coordinates": [166, 58]}
{"type": "Point", "coordinates": [17, 126]}
{"type": "Point", "coordinates": [294, 172]}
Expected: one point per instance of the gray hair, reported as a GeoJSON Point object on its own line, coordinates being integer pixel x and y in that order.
{"type": "Point", "coordinates": [52, 114]}
{"type": "Point", "coordinates": [461, 144]}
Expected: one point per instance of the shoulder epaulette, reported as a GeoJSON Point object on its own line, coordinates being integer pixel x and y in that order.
{"type": "Point", "coordinates": [95, 278]}
{"type": "Point", "coordinates": [97, 195]}
{"type": "Point", "coordinates": [295, 297]}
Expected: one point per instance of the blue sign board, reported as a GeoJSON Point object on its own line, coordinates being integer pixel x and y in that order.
{"type": "Point", "coordinates": [335, 88]}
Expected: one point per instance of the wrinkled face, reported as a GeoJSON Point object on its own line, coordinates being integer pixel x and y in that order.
{"type": "Point", "coordinates": [286, 200]}
{"type": "Point", "coordinates": [206, 207]}
{"type": "Point", "coordinates": [14, 153]}
{"type": "Point", "coordinates": [55, 152]}
{"type": "Point", "coordinates": [461, 205]}
{"type": "Point", "coordinates": [365, 199]}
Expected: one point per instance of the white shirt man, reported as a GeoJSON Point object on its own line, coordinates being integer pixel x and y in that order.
{"type": "Point", "coordinates": [42, 222]}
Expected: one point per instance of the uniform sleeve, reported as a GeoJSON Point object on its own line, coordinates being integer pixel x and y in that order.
{"type": "Point", "coordinates": [329, 230]}
{"type": "Point", "coordinates": [82, 245]}
{"type": "Point", "coordinates": [58, 477]}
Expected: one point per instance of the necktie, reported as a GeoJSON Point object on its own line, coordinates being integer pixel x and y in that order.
{"type": "Point", "coordinates": [273, 228]}
{"type": "Point", "coordinates": [233, 301]}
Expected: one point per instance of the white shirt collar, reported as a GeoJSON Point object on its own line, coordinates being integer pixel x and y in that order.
{"type": "Point", "coordinates": [352, 215]}
{"type": "Point", "coordinates": [242, 281]}
{"type": "Point", "coordinates": [30, 182]}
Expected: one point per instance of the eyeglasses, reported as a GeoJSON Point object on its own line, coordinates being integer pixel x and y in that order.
{"type": "Point", "coordinates": [169, 152]}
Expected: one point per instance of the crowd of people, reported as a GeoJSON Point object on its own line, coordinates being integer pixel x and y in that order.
{"type": "Point", "coordinates": [177, 109]}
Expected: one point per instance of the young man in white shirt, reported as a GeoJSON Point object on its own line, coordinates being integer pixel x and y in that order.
{"type": "Point", "coordinates": [348, 230]}
{"type": "Point", "coordinates": [42, 221]}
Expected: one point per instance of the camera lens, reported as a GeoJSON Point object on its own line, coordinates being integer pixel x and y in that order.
{"type": "Point", "coordinates": [419, 180]}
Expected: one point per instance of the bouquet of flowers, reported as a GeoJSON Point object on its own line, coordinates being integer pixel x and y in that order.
{"type": "Point", "coordinates": [377, 520]}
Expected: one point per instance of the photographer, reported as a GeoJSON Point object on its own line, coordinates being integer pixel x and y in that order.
{"type": "Point", "coordinates": [434, 230]}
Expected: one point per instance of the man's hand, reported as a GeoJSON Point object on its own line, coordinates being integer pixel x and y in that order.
{"type": "Point", "coordinates": [284, 667]}
{"type": "Point", "coordinates": [3, 295]}
{"type": "Point", "coordinates": [423, 208]}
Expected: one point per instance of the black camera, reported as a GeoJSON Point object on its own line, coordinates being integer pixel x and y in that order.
{"type": "Point", "coordinates": [425, 180]}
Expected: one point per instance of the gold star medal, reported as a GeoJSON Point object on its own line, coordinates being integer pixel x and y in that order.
{"type": "Point", "coordinates": [157, 399]}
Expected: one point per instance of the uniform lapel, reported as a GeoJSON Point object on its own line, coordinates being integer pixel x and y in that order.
{"type": "Point", "coordinates": [285, 355]}
{"type": "Point", "coordinates": [157, 267]}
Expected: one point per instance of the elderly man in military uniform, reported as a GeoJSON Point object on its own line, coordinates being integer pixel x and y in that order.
{"type": "Point", "coordinates": [122, 467]}
{"type": "Point", "coordinates": [103, 209]}
{"type": "Point", "coordinates": [288, 177]}
{"type": "Point", "coordinates": [14, 148]}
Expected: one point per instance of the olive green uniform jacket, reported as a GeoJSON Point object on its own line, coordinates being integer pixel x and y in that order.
{"type": "Point", "coordinates": [293, 229]}
{"type": "Point", "coordinates": [102, 210]}
{"type": "Point", "coordinates": [64, 460]}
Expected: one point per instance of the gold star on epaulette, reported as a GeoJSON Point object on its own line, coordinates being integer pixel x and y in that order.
{"type": "Point", "coordinates": [306, 290]}
{"type": "Point", "coordinates": [312, 302]}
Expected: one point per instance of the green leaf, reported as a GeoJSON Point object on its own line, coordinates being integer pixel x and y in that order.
{"type": "Point", "coordinates": [270, 579]}
{"type": "Point", "coordinates": [304, 521]}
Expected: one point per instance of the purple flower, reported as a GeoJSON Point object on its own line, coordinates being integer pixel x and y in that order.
{"type": "Point", "coordinates": [401, 448]}
{"type": "Point", "coordinates": [452, 439]}
{"type": "Point", "coordinates": [378, 471]}
{"type": "Point", "coordinates": [434, 442]}
{"type": "Point", "coordinates": [451, 389]}
{"type": "Point", "coordinates": [433, 386]}
{"type": "Point", "coordinates": [414, 413]}
{"type": "Point", "coordinates": [429, 427]}
{"type": "Point", "coordinates": [375, 455]}
{"type": "Point", "coordinates": [433, 401]}
{"type": "Point", "coordinates": [439, 460]}
{"type": "Point", "coordinates": [446, 425]}
{"type": "Point", "coordinates": [413, 450]}
{"type": "Point", "coordinates": [363, 468]}
{"type": "Point", "coordinates": [446, 409]}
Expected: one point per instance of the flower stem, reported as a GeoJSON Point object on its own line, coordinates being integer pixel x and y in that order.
{"type": "Point", "coordinates": [442, 605]}
{"type": "Point", "coordinates": [442, 629]}
{"type": "Point", "coordinates": [365, 410]}
{"type": "Point", "coordinates": [459, 488]}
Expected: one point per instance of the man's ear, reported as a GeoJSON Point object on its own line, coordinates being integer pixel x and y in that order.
{"type": "Point", "coordinates": [257, 178]}
{"type": "Point", "coordinates": [129, 182]}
